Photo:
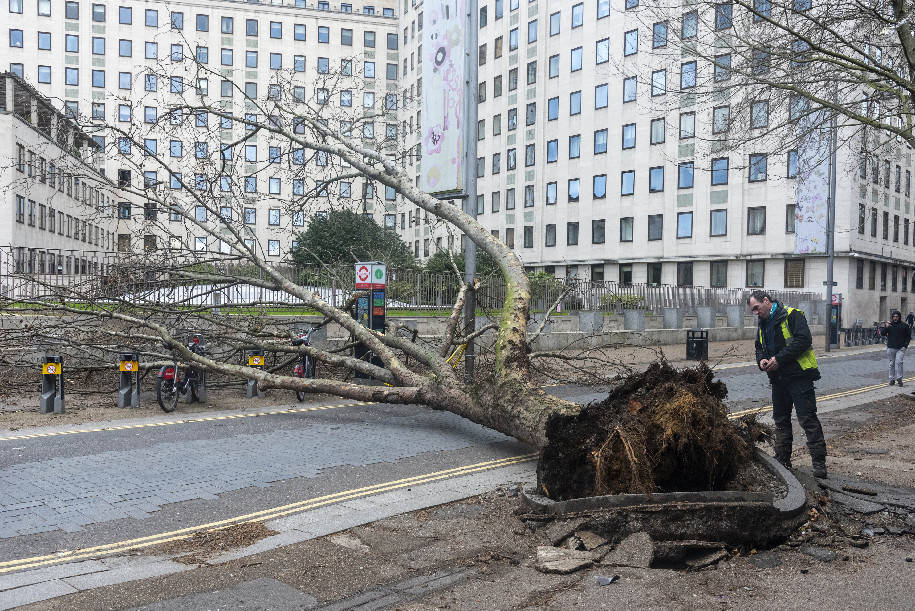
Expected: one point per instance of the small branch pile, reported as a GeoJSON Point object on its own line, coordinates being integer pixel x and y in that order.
{"type": "Point", "coordinates": [661, 430]}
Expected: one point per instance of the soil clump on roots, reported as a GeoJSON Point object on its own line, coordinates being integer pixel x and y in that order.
{"type": "Point", "coordinates": [662, 430]}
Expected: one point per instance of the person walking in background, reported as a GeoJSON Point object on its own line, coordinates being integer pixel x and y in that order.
{"type": "Point", "coordinates": [898, 334]}
{"type": "Point", "coordinates": [783, 351]}
{"type": "Point", "coordinates": [910, 320]}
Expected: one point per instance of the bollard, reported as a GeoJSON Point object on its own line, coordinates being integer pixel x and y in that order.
{"type": "Point", "coordinates": [255, 359]}
{"type": "Point", "coordinates": [52, 385]}
{"type": "Point", "coordinates": [129, 389]}
{"type": "Point", "coordinates": [202, 386]}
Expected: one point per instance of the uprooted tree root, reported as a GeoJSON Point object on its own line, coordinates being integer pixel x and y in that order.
{"type": "Point", "coordinates": [661, 430]}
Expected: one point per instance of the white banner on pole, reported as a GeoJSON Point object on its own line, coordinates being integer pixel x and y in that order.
{"type": "Point", "coordinates": [811, 212]}
{"type": "Point", "coordinates": [443, 95]}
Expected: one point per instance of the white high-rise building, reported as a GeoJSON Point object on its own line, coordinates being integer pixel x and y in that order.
{"type": "Point", "coordinates": [596, 159]}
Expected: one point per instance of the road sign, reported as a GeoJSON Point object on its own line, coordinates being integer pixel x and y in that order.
{"type": "Point", "coordinates": [833, 284]}
{"type": "Point", "coordinates": [379, 275]}
{"type": "Point", "coordinates": [363, 276]}
{"type": "Point", "coordinates": [255, 360]}
{"type": "Point", "coordinates": [53, 369]}
{"type": "Point", "coordinates": [129, 366]}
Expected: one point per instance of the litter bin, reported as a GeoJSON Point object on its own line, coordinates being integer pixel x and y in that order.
{"type": "Point", "coordinates": [697, 344]}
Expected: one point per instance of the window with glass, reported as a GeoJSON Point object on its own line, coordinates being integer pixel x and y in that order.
{"type": "Point", "coordinates": [721, 119]}
{"type": "Point", "coordinates": [657, 131]}
{"type": "Point", "coordinates": [655, 227]}
{"type": "Point", "coordinates": [756, 273]}
{"type": "Point", "coordinates": [659, 35]}
{"type": "Point", "coordinates": [685, 175]}
{"type": "Point", "coordinates": [658, 82]}
{"type": "Point", "coordinates": [598, 231]}
{"type": "Point", "coordinates": [792, 164]}
{"type": "Point", "coordinates": [685, 228]}
{"type": "Point", "coordinates": [574, 189]}
{"type": "Point", "coordinates": [790, 216]}
{"type": "Point", "coordinates": [688, 75]}
{"type": "Point", "coordinates": [723, 12]}
{"type": "Point", "coordinates": [599, 186]}
{"type": "Point", "coordinates": [656, 179]}
{"type": "Point", "coordinates": [629, 136]}
{"type": "Point", "coordinates": [720, 171]}
{"type": "Point", "coordinates": [629, 89]}
{"type": "Point", "coordinates": [578, 15]}
{"type": "Point", "coordinates": [627, 182]}
{"type": "Point", "coordinates": [575, 103]}
{"type": "Point", "coordinates": [719, 222]}
{"type": "Point", "coordinates": [756, 220]}
{"type": "Point", "coordinates": [758, 167]}
{"type": "Point", "coordinates": [689, 25]}
{"type": "Point", "coordinates": [576, 59]}
{"type": "Point", "coordinates": [630, 43]}
{"type": "Point", "coordinates": [759, 114]}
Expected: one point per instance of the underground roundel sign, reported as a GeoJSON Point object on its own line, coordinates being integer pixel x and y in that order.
{"type": "Point", "coordinates": [363, 276]}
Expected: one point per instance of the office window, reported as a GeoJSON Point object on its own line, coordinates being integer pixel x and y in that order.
{"type": "Point", "coordinates": [756, 273]}
{"type": "Point", "coordinates": [530, 114]}
{"type": "Point", "coordinates": [758, 167]}
{"type": "Point", "coordinates": [658, 82]}
{"type": "Point", "coordinates": [629, 136]}
{"type": "Point", "coordinates": [599, 186]}
{"type": "Point", "coordinates": [719, 274]}
{"type": "Point", "coordinates": [44, 74]}
{"type": "Point", "coordinates": [125, 15]}
{"type": "Point", "coordinates": [759, 114]}
{"type": "Point", "coordinates": [756, 220]}
{"type": "Point", "coordinates": [600, 141]}
{"type": "Point", "coordinates": [719, 222]}
{"type": "Point", "coordinates": [44, 41]}
{"type": "Point", "coordinates": [656, 179]}
{"type": "Point", "coordinates": [552, 151]}
{"type": "Point", "coordinates": [552, 109]}
{"type": "Point", "coordinates": [685, 175]}
{"type": "Point", "coordinates": [368, 39]}
{"type": "Point", "coordinates": [71, 10]}
{"type": "Point", "coordinates": [575, 146]}
{"type": "Point", "coordinates": [71, 76]}
{"type": "Point", "coordinates": [532, 31]}
{"type": "Point", "coordinates": [685, 226]}
{"type": "Point", "coordinates": [722, 67]}
{"type": "Point", "coordinates": [720, 171]}
{"type": "Point", "coordinates": [576, 59]}
{"type": "Point", "coordinates": [685, 272]}
{"type": "Point", "coordinates": [125, 48]}
{"type": "Point", "coordinates": [723, 15]}
{"type": "Point", "coordinates": [627, 182]}
{"type": "Point", "coordinates": [177, 53]}
{"type": "Point", "coordinates": [276, 29]}
{"type": "Point", "coordinates": [553, 66]}
{"type": "Point", "coordinates": [203, 23]}
{"type": "Point", "coordinates": [528, 236]}
{"type": "Point", "coordinates": [721, 119]}
{"type": "Point", "coordinates": [601, 96]}
{"type": "Point", "coordinates": [598, 231]}
{"type": "Point", "coordinates": [687, 75]}
{"type": "Point", "coordinates": [659, 35]}
{"type": "Point", "coordinates": [513, 39]}
{"type": "Point", "coordinates": [657, 131]}
{"type": "Point", "coordinates": [575, 103]}
{"type": "Point", "coordinates": [602, 51]}
{"type": "Point", "coordinates": [763, 8]}
{"type": "Point", "coordinates": [655, 227]}
{"type": "Point", "coordinates": [574, 189]}
{"type": "Point", "coordinates": [226, 57]}
{"type": "Point", "coordinates": [629, 89]}
{"type": "Point", "coordinates": [549, 238]}
{"type": "Point", "coordinates": [792, 164]}
{"type": "Point", "coordinates": [529, 155]}
{"type": "Point", "coordinates": [689, 25]}
{"type": "Point", "coordinates": [71, 44]}
{"type": "Point", "coordinates": [626, 229]}
{"type": "Point", "coordinates": [630, 43]}
{"type": "Point", "coordinates": [554, 23]}
{"type": "Point", "coordinates": [790, 214]}
{"type": "Point", "coordinates": [276, 61]}
{"type": "Point", "coordinates": [873, 222]}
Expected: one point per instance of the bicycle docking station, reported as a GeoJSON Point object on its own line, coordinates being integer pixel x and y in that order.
{"type": "Point", "coordinates": [129, 388]}
{"type": "Point", "coordinates": [255, 359]}
{"type": "Point", "coordinates": [52, 385]}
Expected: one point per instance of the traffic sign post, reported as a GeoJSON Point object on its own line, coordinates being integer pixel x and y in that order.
{"type": "Point", "coordinates": [371, 308]}
{"type": "Point", "coordinates": [52, 385]}
{"type": "Point", "coordinates": [255, 359]}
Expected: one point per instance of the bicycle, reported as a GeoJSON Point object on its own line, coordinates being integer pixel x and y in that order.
{"type": "Point", "coordinates": [306, 367]}
{"type": "Point", "coordinates": [170, 386]}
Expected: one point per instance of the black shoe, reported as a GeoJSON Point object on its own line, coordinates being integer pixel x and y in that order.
{"type": "Point", "coordinates": [892, 382]}
{"type": "Point", "coordinates": [899, 382]}
{"type": "Point", "coordinates": [819, 470]}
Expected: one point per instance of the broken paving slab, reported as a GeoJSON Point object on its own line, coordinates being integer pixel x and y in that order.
{"type": "Point", "coordinates": [562, 561]}
{"type": "Point", "coordinates": [636, 550]}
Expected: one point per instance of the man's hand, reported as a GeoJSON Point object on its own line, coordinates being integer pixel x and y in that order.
{"type": "Point", "coordinates": [771, 365]}
{"type": "Point", "coordinates": [763, 364]}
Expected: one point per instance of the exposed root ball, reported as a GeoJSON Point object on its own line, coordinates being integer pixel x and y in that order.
{"type": "Point", "coordinates": [661, 430]}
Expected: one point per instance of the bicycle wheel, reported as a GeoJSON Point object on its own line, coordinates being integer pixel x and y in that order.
{"type": "Point", "coordinates": [166, 394]}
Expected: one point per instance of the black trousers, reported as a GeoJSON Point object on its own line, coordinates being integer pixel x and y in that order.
{"type": "Point", "coordinates": [800, 394]}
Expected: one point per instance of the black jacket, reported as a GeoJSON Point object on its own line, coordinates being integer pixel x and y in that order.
{"type": "Point", "coordinates": [786, 353]}
{"type": "Point", "coordinates": [897, 334]}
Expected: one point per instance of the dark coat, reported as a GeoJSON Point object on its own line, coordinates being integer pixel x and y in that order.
{"type": "Point", "coordinates": [898, 335]}
{"type": "Point", "coordinates": [786, 353]}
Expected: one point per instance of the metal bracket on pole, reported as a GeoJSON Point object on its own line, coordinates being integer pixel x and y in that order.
{"type": "Point", "coordinates": [129, 388]}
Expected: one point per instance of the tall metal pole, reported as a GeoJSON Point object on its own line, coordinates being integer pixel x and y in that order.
{"type": "Point", "coordinates": [471, 51]}
{"type": "Point", "coordinates": [830, 226]}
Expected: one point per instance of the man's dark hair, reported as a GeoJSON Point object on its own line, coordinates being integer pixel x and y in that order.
{"type": "Point", "coordinates": [896, 313]}
{"type": "Point", "coordinates": [759, 295]}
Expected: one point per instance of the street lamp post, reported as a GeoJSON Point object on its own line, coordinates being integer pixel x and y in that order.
{"type": "Point", "coordinates": [471, 50]}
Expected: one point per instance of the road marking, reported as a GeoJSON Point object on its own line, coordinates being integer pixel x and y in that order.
{"type": "Point", "coordinates": [257, 516]}
{"type": "Point", "coordinates": [838, 395]}
{"type": "Point", "coordinates": [125, 427]}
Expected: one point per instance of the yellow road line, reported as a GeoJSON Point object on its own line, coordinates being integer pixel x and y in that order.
{"type": "Point", "coordinates": [258, 516]}
{"type": "Point", "coordinates": [125, 427]}
{"type": "Point", "coordinates": [838, 395]}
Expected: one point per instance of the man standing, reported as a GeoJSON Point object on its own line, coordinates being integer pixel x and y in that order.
{"type": "Point", "coordinates": [910, 320]}
{"type": "Point", "coordinates": [783, 351]}
{"type": "Point", "coordinates": [897, 335]}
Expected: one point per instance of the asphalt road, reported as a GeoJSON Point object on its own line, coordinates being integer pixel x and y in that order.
{"type": "Point", "coordinates": [64, 492]}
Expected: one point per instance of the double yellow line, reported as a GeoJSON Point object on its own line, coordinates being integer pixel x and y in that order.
{"type": "Point", "coordinates": [837, 395]}
{"type": "Point", "coordinates": [258, 516]}
{"type": "Point", "coordinates": [126, 427]}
